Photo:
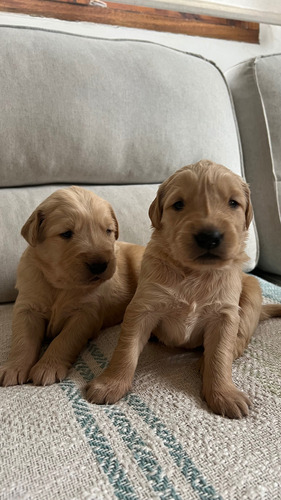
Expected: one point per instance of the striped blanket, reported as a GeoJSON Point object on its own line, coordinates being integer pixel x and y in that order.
{"type": "Point", "coordinates": [159, 442]}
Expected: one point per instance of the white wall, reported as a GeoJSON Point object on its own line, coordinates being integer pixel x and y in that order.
{"type": "Point", "coordinates": [224, 53]}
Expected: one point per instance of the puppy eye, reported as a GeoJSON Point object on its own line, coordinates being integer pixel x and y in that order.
{"type": "Point", "coordinates": [109, 231]}
{"type": "Point", "coordinates": [67, 235]}
{"type": "Point", "coordinates": [179, 205]}
{"type": "Point", "coordinates": [233, 203]}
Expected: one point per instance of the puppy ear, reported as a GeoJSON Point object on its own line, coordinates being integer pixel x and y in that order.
{"type": "Point", "coordinates": [32, 230]}
{"type": "Point", "coordinates": [115, 223]}
{"type": "Point", "coordinates": [249, 208]}
{"type": "Point", "coordinates": [156, 208]}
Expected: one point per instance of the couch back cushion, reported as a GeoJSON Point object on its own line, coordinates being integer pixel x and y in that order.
{"type": "Point", "coordinates": [82, 110]}
{"type": "Point", "coordinates": [256, 89]}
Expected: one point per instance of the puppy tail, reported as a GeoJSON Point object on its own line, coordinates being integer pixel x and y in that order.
{"type": "Point", "coordinates": [270, 311]}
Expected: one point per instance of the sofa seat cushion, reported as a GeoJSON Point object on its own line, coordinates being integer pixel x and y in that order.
{"type": "Point", "coordinates": [256, 89]}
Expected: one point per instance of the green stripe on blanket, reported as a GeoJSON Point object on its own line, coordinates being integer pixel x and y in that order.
{"type": "Point", "coordinates": [175, 449]}
{"type": "Point", "coordinates": [98, 443]}
{"type": "Point", "coordinates": [145, 458]}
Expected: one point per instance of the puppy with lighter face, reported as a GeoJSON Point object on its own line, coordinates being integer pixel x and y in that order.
{"type": "Point", "coordinates": [73, 280]}
{"type": "Point", "coordinates": [192, 291]}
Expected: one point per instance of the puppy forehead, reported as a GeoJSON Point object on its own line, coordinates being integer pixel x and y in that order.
{"type": "Point", "coordinates": [190, 183]}
{"type": "Point", "coordinates": [77, 207]}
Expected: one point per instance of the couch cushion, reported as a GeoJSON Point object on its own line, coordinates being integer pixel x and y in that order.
{"type": "Point", "coordinates": [256, 89]}
{"type": "Point", "coordinates": [79, 109]}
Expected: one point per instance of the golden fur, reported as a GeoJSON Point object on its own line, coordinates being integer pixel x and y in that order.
{"type": "Point", "coordinates": [73, 279]}
{"type": "Point", "coordinates": [192, 290]}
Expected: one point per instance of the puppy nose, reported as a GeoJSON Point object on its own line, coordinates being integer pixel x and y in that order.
{"type": "Point", "coordinates": [97, 267]}
{"type": "Point", "coordinates": [208, 239]}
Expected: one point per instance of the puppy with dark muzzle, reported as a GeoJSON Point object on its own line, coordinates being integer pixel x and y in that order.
{"type": "Point", "coordinates": [192, 291]}
{"type": "Point", "coordinates": [73, 280]}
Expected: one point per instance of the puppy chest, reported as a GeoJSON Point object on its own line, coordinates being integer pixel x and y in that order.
{"type": "Point", "coordinates": [181, 326]}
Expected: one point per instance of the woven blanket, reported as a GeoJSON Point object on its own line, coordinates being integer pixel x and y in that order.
{"type": "Point", "coordinates": [159, 442]}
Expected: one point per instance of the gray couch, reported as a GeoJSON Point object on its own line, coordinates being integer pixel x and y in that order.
{"type": "Point", "coordinates": [119, 116]}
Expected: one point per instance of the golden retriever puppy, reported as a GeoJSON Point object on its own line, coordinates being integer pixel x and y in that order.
{"type": "Point", "coordinates": [192, 290]}
{"type": "Point", "coordinates": [73, 279]}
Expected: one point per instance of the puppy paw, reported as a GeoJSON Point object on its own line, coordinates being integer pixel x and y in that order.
{"type": "Point", "coordinates": [106, 390]}
{"type": "Point", "coordinates": [230, 403]}
{"type": "Point", "coordinates": [13, 374]}
{"type": "Point", "coordinates": [47, 373]}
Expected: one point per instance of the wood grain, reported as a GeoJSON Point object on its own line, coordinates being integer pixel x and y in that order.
{"type": "Point", "coordinates": [137, 17]}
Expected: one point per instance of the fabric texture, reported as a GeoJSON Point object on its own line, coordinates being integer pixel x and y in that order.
{"type": "Point", "coordinates": [256, 90]}
{"type": "Point", "coordinates": [159, 442]}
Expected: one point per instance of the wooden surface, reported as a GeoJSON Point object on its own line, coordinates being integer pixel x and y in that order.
{"type": "Point", "coordinates": [137, 17]}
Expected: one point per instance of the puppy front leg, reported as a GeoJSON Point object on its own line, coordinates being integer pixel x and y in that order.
{"type": "Point", "coordinates": [28, 329]}
{"type": "Point", "coordinates": [117, 378]}
{"type": "Point", "coordinates": [63, 350]}
{"type": "Point", "coordinates": [218, 389]}
{"type": "Point", "coordinates": [250, 309]}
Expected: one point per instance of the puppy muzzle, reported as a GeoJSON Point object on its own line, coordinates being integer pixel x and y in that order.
{"type": "Point", "coordinates": [208, 240]}
{"type": "Point", "coordinates": [97, 267]}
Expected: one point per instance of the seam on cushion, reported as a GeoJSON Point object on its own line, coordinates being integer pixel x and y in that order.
{"type": "Point", "coordinates": [268, 132]}
{"type": "Point", "coordinates": [266, 56]}
{"type": "Point", "coordinates": [134, 40]}
{"type": "Point", "coordinates": [241, 63]}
